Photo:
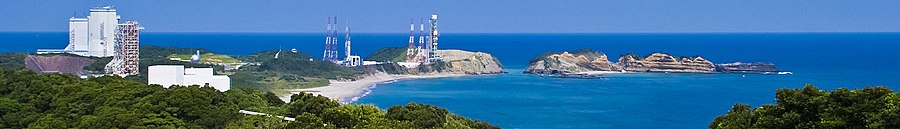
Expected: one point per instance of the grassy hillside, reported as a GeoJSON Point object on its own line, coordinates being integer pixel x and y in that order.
{"type": "Point", "coordinates": [394, 54]}
{"type": "Point", "coordinates": [289, 71]}
{"type": "Point", "coordinates": [207, 57]}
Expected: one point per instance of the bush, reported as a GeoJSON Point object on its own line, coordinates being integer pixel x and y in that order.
{"type": "Point", "coordinates": [809, 107]}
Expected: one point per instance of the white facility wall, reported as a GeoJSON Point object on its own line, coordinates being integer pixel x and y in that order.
{"type": "Point", "coordinates": [78, 31]}
{"type": "Point", "coordinates": [221, 83]}
{"type": "Point", "coordinates": [197, 76]}
{"type": "Point", "coordinates": [165, 75]}
{"type": "Point", "coordinates": [109, 20]}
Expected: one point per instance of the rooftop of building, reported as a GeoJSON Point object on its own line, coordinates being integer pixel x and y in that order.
{"type": "Point", "coordinates": [103, 9]}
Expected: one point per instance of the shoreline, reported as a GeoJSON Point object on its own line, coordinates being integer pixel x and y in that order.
{"type": "Point", "coordinates": [346, 92]}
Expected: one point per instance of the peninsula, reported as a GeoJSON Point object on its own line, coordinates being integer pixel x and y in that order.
{"type": "Point", "coordinates": [455, 63]}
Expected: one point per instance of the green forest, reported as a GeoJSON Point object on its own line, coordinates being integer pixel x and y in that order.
{"type": "Point", "coordinates": [809, 108]}
{"type": "Point", "coordinates": [30, 100]}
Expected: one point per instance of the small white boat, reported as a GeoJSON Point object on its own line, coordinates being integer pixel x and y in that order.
{"type": "Point", "coordinates": [783, 73]}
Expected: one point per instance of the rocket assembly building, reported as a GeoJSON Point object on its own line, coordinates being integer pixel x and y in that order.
{"type": "Point", "coordinates": [101, 35]}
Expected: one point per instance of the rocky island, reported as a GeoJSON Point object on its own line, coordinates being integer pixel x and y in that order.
{"type": "Point", "coordinates": [586, 61]}
{"type": "Point", "coordinates": [576, 62]}
{"type": "Point", "coordinates": [740, 67]}
{"type": "Point", "coordinates": [661, 62]}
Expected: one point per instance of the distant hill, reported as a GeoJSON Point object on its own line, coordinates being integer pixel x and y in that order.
{"type": "Point", "coordinates": [289, 71]}
{"type": "Point", "coordinates": [392, 54]}
{"type": "Point", "coordinates": [301, 64]}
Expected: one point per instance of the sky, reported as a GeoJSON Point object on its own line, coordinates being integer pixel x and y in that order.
{"type": "Point", "coordinates": [471, 16]}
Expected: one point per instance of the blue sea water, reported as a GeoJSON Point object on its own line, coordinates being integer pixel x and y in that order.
{"type": "Point", "coordinates": [645, 100]}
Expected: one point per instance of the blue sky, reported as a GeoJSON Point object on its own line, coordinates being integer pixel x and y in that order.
{"type": "Point", "coordinates": [473, 16]}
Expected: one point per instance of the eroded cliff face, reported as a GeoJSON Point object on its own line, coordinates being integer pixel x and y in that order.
{"type": "Point", "coordinates": [660, 62]}
{"type": "Point", "coordinates": [459, 61]}
{"type": "Point", "coordinates": [571, 63]}
{"type": "Point", "coordinates": [589, 61]}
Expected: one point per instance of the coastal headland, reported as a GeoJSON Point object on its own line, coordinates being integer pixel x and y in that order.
{"type": "Point", "coordinates": [456, 63]}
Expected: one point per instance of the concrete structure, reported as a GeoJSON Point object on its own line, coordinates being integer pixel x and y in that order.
{"type": "Point", "coordinates": [78, 36]}
{"type": "Point", "coordinates": [168, 75]}
{"type": "Point", "coordinates": [57, 64]}
{"type": "Point", "coordinates": [102, 26]}
{"type": "Point", "coordinates": [126, 56]}
{"type": "Point", "coordinates": [94, 36]}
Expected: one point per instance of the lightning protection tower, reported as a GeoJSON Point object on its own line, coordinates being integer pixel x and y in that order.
{"type": "Point", "coordinates": [411, 47]}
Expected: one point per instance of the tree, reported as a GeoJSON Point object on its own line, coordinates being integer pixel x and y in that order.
{"type": "Point", "coordinates": [809, 107]}
{"type": "Point", "coordinates": [309, 103]}
{"type": "Point", "coordinates": [348, 116]}
{"type": "Point", "coordinates": [421, 115]}
{"type": "Point", "coordinates": [272, 99]}
{"type": "Point", "coordinates": [309, 121]}
{"type": "Point", "coordinates": [49, 122]}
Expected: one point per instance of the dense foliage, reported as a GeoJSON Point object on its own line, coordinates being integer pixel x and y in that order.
{"type": "Point", "coordinates": [64, 101]}
{"type": "Point", "coordinates": [29, 100]}
{"type": "Point", "coordinates": [809, 107]}
{"type": "Point", "coordinates": [289, 71]}
{"type": "Point", "coordinates": [393, 54]}
{"type": "Point", "coordinates": [12, 61]}
{"type": "Point", "coordinates": [300, 64]}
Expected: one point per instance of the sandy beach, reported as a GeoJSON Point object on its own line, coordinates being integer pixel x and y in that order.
{"type": "Point", "coordinates": [350, 91]}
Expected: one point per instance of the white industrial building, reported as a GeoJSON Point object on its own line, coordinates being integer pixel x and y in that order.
{"type": "Point", "coordinates": [168, 75]}
{"type": "Point", "coordinates": [101, 35]}
{"type": "Point", "coordinates": [92, 36]}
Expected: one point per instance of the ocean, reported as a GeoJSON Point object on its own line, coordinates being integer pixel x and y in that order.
{"type": "Point", "coordinates": [642, 100]}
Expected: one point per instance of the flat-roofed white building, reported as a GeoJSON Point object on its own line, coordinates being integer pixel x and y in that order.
{"type": "Point", "coordinates": [78, 36]}
{"type": "Point", "coordinates": [102, 25]}
{"type": "Point", "coordinates": [168, 75]}
{"type": "Point", "coordinates": [94, 35]}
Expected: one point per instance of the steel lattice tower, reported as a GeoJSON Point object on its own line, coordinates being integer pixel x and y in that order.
{"type": "Point", "coordinates": [410, 48]}
{"type": "Point", "coordinates": [326, 53]}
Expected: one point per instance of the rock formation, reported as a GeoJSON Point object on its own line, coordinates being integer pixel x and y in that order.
{"type": "Point", "coordinates": [660, 62]}
{"type": "Point", "coordinates": [590, 60]}
{"type": "Point", "coordinates": [740, 67]}
{"type": "Point", "coordinates": [459, 61]}
{"type": "Point", "coordinates": [580, 61]}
